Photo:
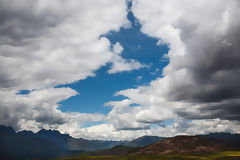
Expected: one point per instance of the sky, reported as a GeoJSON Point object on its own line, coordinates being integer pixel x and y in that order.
{"type": "Point", "coordinates": [118, 70]}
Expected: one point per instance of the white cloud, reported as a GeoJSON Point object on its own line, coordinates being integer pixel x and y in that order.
{"type": "Point", "coordinates": [122, 116]}
{"type": "Point", "coordinates": [181, 127]}
{"type": "Point", "coordinates": [39, 106]}
{"type": "Point", "coordinates": [40, 109]}
{"type": "Point", "coordinates": [120, 64]}
{"type": "Point", "coordinates": [139, 78]}
{"type": "Point", "coordinates": [46, 44]}
{"type": "Point", "coordinates": [108, 132]}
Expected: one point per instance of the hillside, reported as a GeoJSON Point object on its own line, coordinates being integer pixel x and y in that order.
{"type": "Point", "coordinates": [183, 144]}
{"type": "Point", "coordinates": [174, 145]}
{"type": "Point", "coordinates": [143, 141]}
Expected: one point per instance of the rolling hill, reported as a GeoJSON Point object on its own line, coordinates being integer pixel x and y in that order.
{"type": "Point", "coordinates": [183, 144]}
{"type": "Point", "coordinates": [173, 145]}
{"type": "Point", "coordinates": [175, 148]}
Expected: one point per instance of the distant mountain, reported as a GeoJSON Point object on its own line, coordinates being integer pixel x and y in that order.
{"type": "Point", "coordinates": [183, 144]}
{"type": "Point", "coordinates": [56, 137]}
{"type": "Point", "coordinates": [225, 138]}
{"type": "Point", "coordinates": [48, 144]}
{"type": "Point", "coordinates": [87, 145]}
{"type": "Point", "coordinates": [78, 144]}
{"type": "Point", "coordinates": [51, 143]}
{"type": "Point", "coordinates": [93, 145]}
{"type": "Point", "coordinates": [118, 150]}
{"type": "Point", "coordinates": [143, 141]}
{"type": "Point", "coordinates": [25, 145]}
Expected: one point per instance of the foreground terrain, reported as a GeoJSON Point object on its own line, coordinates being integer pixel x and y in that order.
{"type": "Point", "coordinates": [228, 155]}
{"type": "Point", "coordinates": [174, 148]}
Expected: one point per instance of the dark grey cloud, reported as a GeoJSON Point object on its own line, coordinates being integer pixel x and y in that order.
{"type": "Point", "coordinates": [225, 110]}
{"type": "Point", "coordinates": [19, 21]}
{"type": "Point", "coordinates": [212, 63]}
{"type": "Point", "coordinates": [214, 68]}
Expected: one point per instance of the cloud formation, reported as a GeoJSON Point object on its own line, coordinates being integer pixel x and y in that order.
{"type": "Point", "coordinates": [40, 109]}
{"type": "Point", "coordinates": [201, 81]}
{"type": "Point", "coordinates": [44, 44]}
{"type": "Point", "coordinates": [120, 64]}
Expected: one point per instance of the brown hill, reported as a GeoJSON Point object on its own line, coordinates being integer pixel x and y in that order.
{"type": "Point", "coordinates": [182, 144]}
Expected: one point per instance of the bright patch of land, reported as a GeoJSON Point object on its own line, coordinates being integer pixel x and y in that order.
{"type": "Point", "coordinates": [228, 155]}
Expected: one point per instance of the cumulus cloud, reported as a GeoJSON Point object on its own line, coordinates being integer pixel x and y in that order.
{"type": "Point", "coordinates": [44, 44]}
{"type": "Point", "coordinates": [121, 116]}
{"type": "Point", "coordinates": [201, 81]}
{"type": "Point", "coordinates": [204, 48]}
{"type": "Point", "coordinates": [40, 109]}
{"type": "Point", "coordinates": [120, 64]}
{"type": "Point", "coordinates": [108, 131]}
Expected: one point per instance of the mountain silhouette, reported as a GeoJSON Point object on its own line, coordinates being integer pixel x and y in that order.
{"type": "Point", "coordinates": [48, 144]}
{"type": "Point", "coordinates": [225, 138]}
{"type": "Point", "coordinates": [55, 137]}
{"type": "Point", "coordinates": [26, 145]}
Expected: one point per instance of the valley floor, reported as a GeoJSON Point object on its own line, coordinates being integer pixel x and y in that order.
{"type": "Point", "coordinates": [228, 155]}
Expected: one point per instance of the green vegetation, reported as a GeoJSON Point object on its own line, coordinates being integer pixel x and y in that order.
{"type": "Point", "coordinates": [228, 155]}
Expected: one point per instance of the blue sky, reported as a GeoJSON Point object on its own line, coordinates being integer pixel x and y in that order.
{"type": "Point", "coordinates": [97, 90]}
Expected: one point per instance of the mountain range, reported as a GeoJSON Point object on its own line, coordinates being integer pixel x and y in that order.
{"type": "Point", "coordinates": [48, 144]}
{"type": "Point", "coordinates": [210, 143]}
{"type": "Point", "coordinates": [51, 144]}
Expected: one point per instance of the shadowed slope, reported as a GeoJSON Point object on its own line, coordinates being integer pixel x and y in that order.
{"type": "Point", "coordinates": [143, 141]}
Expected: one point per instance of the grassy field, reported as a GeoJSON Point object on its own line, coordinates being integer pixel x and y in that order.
{"type": "Point", "coordinates": [229, 155]}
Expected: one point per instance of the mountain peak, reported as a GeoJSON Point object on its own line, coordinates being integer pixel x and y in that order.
{"type": "Point", "coordinates": [6, 130]}
{"type": "Point", "coordinates": [50, 132]}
